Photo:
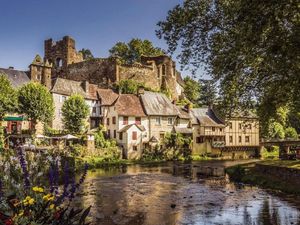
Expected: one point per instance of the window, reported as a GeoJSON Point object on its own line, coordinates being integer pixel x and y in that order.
{"type": "Point", "coordinates": [249, 126]}
{"type": "Point", "coordinates": [199, 140]}
{"type": "Point", "coordinates": [213, 129]}
{"type": "Point", "coordinates": [161, 136]}
{"type": "Point", "coordinates": [230, 125]}
{"type": "Point", "coordinates": [163, 70]}
{"type": "Point", "coordinates": [134, 148]}
{"type": "Point", "coordinates": [240, 126]}
{"type": "Point", "coordinates": [121, 136]}
{"type": "Point", "coordinates": [138, 120]}
{"type": "Point", "coordinates": [240, 139]}
{"type": "Point", "coordinates": [157, 120]}
{"type": "Point", "coordinates": [107, 121]}
{"type": "Point", "coordinates": [114, 120]}
{"type": "Point", "coordinates": [134, 135]}
{"type": "Point", "coordinates": [115, 134]}
{"type": "Point", "coordinates": [247, 139]}
{"type": "Point", "coordinates": [94, 109]}
{"type": "Point", "coordinates": [39, 77]}
{"type": "Point", "coordinates": [170, 121]}
{"type": "Point", "coordinates": [125, 120]}
{"type": "Point", "coordinates": [221, 129]}
{"type": "Point", "coordinates": [158, 72]}
{"type": "Point", "coordinates": [108, 133]}
{"type": "Point", "coordinates": [230, 139]}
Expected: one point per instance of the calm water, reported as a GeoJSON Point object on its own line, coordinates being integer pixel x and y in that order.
{"type": "Point", "coordinates": [174, 194]}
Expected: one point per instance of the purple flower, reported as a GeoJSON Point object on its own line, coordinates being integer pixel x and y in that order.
{"type": "Point", "coordinates": [24, 167]}
{"type": "Point", "coordinates": [53, 177]}
{"type": "Point", "coordinates": [1, 188]}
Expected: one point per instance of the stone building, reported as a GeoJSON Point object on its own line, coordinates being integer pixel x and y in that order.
{"type": "Point", "coordinates": [208, 131]}
{"type": "Point", "coordinates": [154, 72]}
{"type": "Point", "coordinates": [161, 112]}
{"type": "Point", "coordinates": [127, 123]}
{"type": "Point", "coordinates": [64, 88]}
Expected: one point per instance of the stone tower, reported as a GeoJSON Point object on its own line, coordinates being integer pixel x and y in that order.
{"type": "Point", "coordinates": [40, 71]}
{"type": "Point", "coordinates": [166, 71]}
{"type": "Point", "coordinates": [61, 54]}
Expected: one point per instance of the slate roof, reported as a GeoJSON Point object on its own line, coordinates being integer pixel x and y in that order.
{"type": "Point", "coordinates": [205, 117]}
{"type": "Point", "coordinates": [183, 114]}
{"type": "Point", "coordinates": [158, 104]}
{"type": "Point", "coordinates": [17, 78]}
{"type": "Point", "coordinates": [124, 129]}
{"type": "Point", "coordinates": [183, 130]}
{"type": "Point", "coordinates": [70, 87]}
{"type": "Point", "coordinates": [129, 105]}
{"type": "Point", "coordinates": [107, 96]}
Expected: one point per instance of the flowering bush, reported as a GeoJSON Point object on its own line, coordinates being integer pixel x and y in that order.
{"type": "Point", "coordinates": [46, 203]}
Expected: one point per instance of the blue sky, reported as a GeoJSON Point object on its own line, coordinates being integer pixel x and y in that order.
{"type": "Point", "coordinates": [94, 24]}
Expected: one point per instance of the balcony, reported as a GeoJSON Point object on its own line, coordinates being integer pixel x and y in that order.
{"type": "Point", "coordinates": [218, 144]}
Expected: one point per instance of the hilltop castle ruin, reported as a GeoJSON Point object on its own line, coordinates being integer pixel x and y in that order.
{"type": "Point", "coordinates": [62, 60]}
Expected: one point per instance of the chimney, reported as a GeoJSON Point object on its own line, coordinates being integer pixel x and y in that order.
{"type": "Point", "coordinates": [141, 90]}
{"type": "Point", "coordinates": [188, 107]}
{"type": "Point", "coordinates": [85, 86]}
{"type": "Point", "coordinates": [11, 68]}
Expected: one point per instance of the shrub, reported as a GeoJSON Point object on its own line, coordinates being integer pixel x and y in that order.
{"type": "Point", "coordinates": [101, 141]}
{"type": "Point", "coordinates": [236, 173]}
{"type": "Point", "coordinates": [291, 132]}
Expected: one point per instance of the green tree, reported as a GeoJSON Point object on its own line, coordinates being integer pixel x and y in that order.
{"type": "Point", "coordinates": [128, 86]}
{"type": "Point", "coordinates": [291, 132]}
{"type": "Point", "coordinates": [192, 90]}
{"type": "Point", "coordinates": [180, 145]}
{"type": "Point", "coordinates": [250, 47]}
{"type": "Point", "coordinates": [276, 130]}
{"type": "Point", "coordinates": [86, 54]}
{"type": "Point", "coordinates": [36, 102]}
{"type": "Point", "coordinates": [133, 50]}
{"type": "Point", "coordinates": [8, 97]}
{"type": "Point", "coordinates": [208, 95]}
{"type": "Point", "coordinates": [75, 112]}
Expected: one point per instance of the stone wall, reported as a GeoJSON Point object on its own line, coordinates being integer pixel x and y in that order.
{"type": "Point", "coordinates": [140, 73]}
{"type": "Point", "coordinates": [96, 71]}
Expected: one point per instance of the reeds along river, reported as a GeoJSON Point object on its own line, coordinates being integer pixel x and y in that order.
{"type": "Point", "coordinates": [173, 194]}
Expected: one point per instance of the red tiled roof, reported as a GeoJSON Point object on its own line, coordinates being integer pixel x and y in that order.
{"type": "Point", "coordinates": [107, 96]}
{"type": "Point", "coordinates": [129, 105]}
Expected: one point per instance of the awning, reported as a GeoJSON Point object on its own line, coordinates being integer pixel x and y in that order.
{"type": "Point", "coordinates": [14, 118]}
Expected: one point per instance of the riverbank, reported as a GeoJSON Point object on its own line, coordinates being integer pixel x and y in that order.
{"type": "Point", "coordinates": [273, 174]}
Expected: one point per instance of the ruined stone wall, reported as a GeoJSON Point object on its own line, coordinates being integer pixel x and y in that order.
{"type": "Point", "coordinates": [62, 53]}
{"type": "Point", "coordinates": [140, 73]}
{"type": "Point", "coordinates": [96, 71]}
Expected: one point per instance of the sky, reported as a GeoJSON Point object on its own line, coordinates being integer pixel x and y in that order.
{"type": "Point", "coordinates": [94, 24]}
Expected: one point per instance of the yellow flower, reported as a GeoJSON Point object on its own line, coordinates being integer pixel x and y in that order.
{"type": "Point", "coordinates": [21, 213]}
{"type": "Point", "coordinates": [51, 206]}
{"type": "Point", "coordinates": [38, 189]}
{"type": "Point", "coordinates": [48, 197]}
{"type": "Point", "coordinates": [31, 201]}
{"type": "Point", "coordinates": [28, 201]}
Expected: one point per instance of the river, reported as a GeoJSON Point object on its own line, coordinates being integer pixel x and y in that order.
{"type": "Point", "coordinates": [172, 194]}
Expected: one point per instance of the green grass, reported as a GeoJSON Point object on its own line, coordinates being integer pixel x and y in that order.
{"type": "Point", "coordinates": [294, 164]}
